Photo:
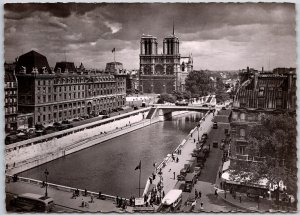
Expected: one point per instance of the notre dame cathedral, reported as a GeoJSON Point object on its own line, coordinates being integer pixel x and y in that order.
{"type": "Point", "coordinates": [166, 72]}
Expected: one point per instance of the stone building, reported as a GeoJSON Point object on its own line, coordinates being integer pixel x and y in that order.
{"type": "Point", "coordinates": [10, 100]}
{"type": "Point", "coordinates": [66, 92]}
{"type": "Point", "coordinates": [162, 73]}
{"type": "Point", "coordinates": [263, 93]}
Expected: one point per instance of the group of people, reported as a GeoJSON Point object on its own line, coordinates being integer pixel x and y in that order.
{"type": "Point", "coordinates": [154, 197]}
{"type": "Point", "coordinates": [121, 203]}
{"type": "Point", "coordinates": [198, 195]}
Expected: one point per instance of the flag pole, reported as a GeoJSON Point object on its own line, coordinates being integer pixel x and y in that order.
{"type": "Point", "coordinates": [140, 179]}
{"type": "Point", "coordinates": [115, 57]}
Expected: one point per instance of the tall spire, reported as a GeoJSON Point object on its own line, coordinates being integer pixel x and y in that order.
{"type": "Point", "coordinates": [173, 28]}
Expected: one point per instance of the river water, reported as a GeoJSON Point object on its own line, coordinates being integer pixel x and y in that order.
{"type": "Point", "coordinates": [109, 167]}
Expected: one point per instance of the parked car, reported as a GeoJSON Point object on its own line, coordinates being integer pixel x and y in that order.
{"type": "Point", "coordinates": [76, 120]}
{"type": "Point", "coordinates": [204, 105]}
{"type": "Point", "coordinates": [215, 144]}
{"type": "Point", "coordinates": [180, 177]}
{"type": "Point", "coordinates": [49, 130]}
{"type": "Point", "coordinates": [190, 180]}
{"type": "Point", "coordinates": [65, 122]}
{"type": "Point", "coordinates": [205, 135]}
{"type": "Point", "coordinates": [56, 124]}
{"type": "Point", "coordinates": [197, 171]}
{"type": "Point", "coordinates": [215, 125]}
{"type": "Point", "coordinates": [105, 117]}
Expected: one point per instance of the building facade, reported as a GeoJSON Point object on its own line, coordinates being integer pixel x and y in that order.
{"type": "Point", "coordinates": [162, 73]}
{"type": "Point", "coordinates": [11, 97]}
{"type": "Point", "coordinates": [263, 93]}
{"type": "Point", "coordinates": [66, 92]}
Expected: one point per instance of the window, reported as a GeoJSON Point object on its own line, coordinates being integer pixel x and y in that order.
{"type": "Point", "coordinates": [242, 116]}
{"type": "Point", "coordinates": [261, 91]}
{"type": "Point", "coordinates": [278, 103]}
{"type": "Point", "coordinates": [261, 102]}
{"type": "Point", "coordinates": [241, 149]}
{"type": "Point", "coordinates": [242, 132]}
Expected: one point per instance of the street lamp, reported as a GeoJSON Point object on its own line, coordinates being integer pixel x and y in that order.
{"type": "Point", "coordinates": [46, 175]}
{"type": "Point", "coordinates": [198, 126]}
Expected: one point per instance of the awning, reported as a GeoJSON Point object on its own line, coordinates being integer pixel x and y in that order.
{"type": "Point", "coordinates": [226, 166]}
{"type": "Point", "coordinates": [231, 178]}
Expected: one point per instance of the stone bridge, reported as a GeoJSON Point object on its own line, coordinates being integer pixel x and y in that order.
{"type": "Point", "coordinates": [165, 111]}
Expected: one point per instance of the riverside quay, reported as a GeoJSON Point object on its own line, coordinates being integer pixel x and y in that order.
{"type": "Point", "coordinates": [194, 111]}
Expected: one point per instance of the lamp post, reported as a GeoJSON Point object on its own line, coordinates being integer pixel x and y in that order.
{"type": "Point", "coordinates": [198, 126]}
{"type": "Point", "coordinates": [46, 175]}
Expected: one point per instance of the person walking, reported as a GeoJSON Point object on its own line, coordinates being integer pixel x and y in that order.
{"type": "Point", "coordinates": [92, 199]}
{"type": "Point", "coordinates": [201, 206]}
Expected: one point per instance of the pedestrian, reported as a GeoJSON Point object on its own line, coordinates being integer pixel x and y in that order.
{"type": "Point", "coordinates": [99, 195]}
{"type": "Point", "coordinates": [14, 164]}
{"type": "Point", "coordinates": [174, 175]}
{"type": "Point", "coordinates": [200, 194]}
{"type": "Point", "coordinates": [201, 205]}
{"type": "Point", "coordinates": [177, 160]}
{"type": "Point", "coordinates": [240, 197]}
{"type": "Point", "coordinates": [216, 192]}
{"type": "Point", "coordinates": [194, 140]}
{"type": "Point", "coordinates": [82, 203]}
{"type": "Point", "coordinates": [92, 198]}
{"type": "Point", "coordinates": [169, 170]}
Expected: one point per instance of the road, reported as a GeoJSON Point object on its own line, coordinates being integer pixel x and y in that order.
{"type": "Point", "coordinates": [207, 179]}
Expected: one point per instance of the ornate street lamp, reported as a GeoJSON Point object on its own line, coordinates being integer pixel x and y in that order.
{"type": "Point", "coordinates": [198, 126]}
{"type": "Point", "coordinates": [46, 175]}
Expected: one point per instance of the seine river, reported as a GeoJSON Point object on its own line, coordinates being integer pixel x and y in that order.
{"type": "Point", "coordinates": [109, 167]}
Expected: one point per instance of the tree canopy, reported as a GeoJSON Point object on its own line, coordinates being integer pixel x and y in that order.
{"type": "Point", "coordinates": [273, 140]}
{"type": "Point", "coordinates": [199, 83]}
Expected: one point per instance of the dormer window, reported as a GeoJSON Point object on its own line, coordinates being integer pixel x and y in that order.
{"type": "Point", "coordinates": [261, 91]}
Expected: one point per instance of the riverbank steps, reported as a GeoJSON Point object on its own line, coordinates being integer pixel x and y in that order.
{"type": "Point", "coordinates": [37, 154]}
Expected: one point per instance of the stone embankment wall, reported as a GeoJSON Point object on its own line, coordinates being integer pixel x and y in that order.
{"type": "Point", "coordinates": [24, 158]}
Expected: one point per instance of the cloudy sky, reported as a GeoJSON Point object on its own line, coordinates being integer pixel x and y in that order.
{"type": "Point", "coordinates": [219, 36]}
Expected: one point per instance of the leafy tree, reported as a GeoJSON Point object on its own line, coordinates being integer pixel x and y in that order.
{"type": "Point", "coordinates": [274, 141]}
{"type": "Point", "coordinates": [166, 98]}
{"type": "Point", "coordinates": [198, 83]}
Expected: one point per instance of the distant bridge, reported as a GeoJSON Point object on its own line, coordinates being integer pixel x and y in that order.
{"type": "Point", "coordinates": [165, 111]}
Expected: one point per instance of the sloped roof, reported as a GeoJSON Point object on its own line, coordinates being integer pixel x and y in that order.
{"type": "Point", "coordinates": [69, 66]}
{"type": "Point", "coordinates": [30, 60]}
{"type": "Point", "coordinates": [9, 76]}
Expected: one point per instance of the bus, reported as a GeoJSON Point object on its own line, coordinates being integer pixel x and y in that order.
{"type": "Point", "coordinates": [30, 202]}
{"type": "Point", "coordinates": [171, 202]}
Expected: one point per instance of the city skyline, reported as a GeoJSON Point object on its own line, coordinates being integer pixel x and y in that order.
{"type": "Point", "coordinates": [219, 36]}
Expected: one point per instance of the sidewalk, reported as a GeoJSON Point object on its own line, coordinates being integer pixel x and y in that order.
{"type": "Point", "coordinates": [172, 167]}
{"type": "Point", "coordinates": [64, 199]}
